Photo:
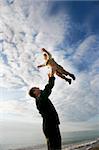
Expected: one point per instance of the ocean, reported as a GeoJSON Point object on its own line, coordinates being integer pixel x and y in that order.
{"type": "Point", "coordinates": [69, 139]}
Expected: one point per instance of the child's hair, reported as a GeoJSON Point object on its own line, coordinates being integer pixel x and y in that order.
{"type": "Point", "coordinates": [45, 54]}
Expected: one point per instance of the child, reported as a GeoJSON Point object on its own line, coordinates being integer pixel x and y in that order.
{"type": "Point", "coordinates": [59, 70]}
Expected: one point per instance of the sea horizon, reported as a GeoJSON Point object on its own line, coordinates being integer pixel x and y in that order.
{"type": "Point", "coordinates": [69, 139]}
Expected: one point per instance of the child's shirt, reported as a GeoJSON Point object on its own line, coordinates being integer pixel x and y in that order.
{"type": "Point", "coordinates": [50, 62]}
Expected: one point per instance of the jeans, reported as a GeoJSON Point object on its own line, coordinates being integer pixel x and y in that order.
{"type": "Point", "coordinates": [53, 136]}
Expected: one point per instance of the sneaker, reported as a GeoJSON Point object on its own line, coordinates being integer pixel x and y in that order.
{"type": "Point", "coordinates": [69, 81]}
{"type": "Point", "coordinates": [72, 76]}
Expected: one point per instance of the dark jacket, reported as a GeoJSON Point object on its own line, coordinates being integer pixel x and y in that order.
{"type": "Point", "coordinates": [45, 106]}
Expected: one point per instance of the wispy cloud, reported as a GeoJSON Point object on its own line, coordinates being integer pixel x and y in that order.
{"type": "Point", "coordinates": [18, 109]}
{"type": "Point", "coordinates": [23, 35]}
{"type": "Point", "coordinates": [25, 27]}
{"type": "Point", "coordinates": [87, 51]}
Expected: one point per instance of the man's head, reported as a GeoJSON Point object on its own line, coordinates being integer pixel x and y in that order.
{"type": "Point", "coordinates": [34, 92]}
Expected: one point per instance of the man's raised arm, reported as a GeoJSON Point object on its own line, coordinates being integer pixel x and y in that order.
{"type": "Point", "coordinates": [48, 88]}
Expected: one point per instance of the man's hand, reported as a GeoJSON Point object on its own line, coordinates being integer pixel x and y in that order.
{"type": "Point", "coordinates": [52, 72]}
{"type": "Point", "coordinates": [49, 75]}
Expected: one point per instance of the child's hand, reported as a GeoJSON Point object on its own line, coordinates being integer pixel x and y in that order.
{"type": "Point", "coordinates": [38, 67]}
{"type": "Point", "coordinates": [42, 49]}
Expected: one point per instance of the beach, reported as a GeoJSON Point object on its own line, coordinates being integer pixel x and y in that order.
{"type": "Point", "coordinates": [92, 145]}
{"type": "Point", "coordinates": [95, 147]}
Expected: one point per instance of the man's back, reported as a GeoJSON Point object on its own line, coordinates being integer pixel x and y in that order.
{"type": "Point", "coordinates": [47, 109]}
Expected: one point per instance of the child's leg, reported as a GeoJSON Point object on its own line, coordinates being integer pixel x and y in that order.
{"type": "Point", "coordinates": [61, 70]}
{"type": "Point", "coordinates": [68, 73]}
{"type": "Point", "coordinates": [63, 77]}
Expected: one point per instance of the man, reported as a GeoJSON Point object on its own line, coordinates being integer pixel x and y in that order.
{"type": "Point", "coordinates": [47, 110]}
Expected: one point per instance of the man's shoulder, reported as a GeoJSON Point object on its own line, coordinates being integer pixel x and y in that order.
{"type": "Point", "coordinates": [52, 78]}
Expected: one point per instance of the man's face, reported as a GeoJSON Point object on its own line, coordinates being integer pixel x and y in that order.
{"type": "Point", "coordinates": [36, 91]}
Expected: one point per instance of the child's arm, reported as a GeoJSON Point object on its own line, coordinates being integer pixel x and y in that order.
{"type": "Point", "coordinates": [43, 65]}
{"type": "Point", "coordinates": [44, 50]}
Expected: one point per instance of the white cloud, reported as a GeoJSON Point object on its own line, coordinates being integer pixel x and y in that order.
{"type": "Point", "coordinates": [25, 29]}
{"type": "Point", "coordinates": [24, 34]}
{"type": "Point", "coordinates": [85, 47]}
{"type": "Point", "coordinates": [80, 101]}
{"type": "Point", "coordinates": [76, 103]}
{"type": "Point", "coordinates": [23, 110]}
{"type": "Point", "coordinates": [95, 84]}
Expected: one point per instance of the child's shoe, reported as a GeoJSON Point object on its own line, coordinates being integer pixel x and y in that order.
{"type": "Point", "coordinates": [72, 76]}
{"type": "Point", "coordinates": [69, 81]}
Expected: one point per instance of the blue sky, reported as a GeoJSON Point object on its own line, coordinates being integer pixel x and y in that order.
{"type": "Point", "coordinates": [70, 31]}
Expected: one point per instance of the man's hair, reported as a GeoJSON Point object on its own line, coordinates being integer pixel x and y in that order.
{"type": "Point", "coordinates": [31, 92]}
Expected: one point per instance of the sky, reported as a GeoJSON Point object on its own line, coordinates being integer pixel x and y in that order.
{"type": "Point", "coordinates": [70, 32]}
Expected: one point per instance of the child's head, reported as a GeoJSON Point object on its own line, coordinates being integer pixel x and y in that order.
{"type": "Point", "coordinates": [45, 56]}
